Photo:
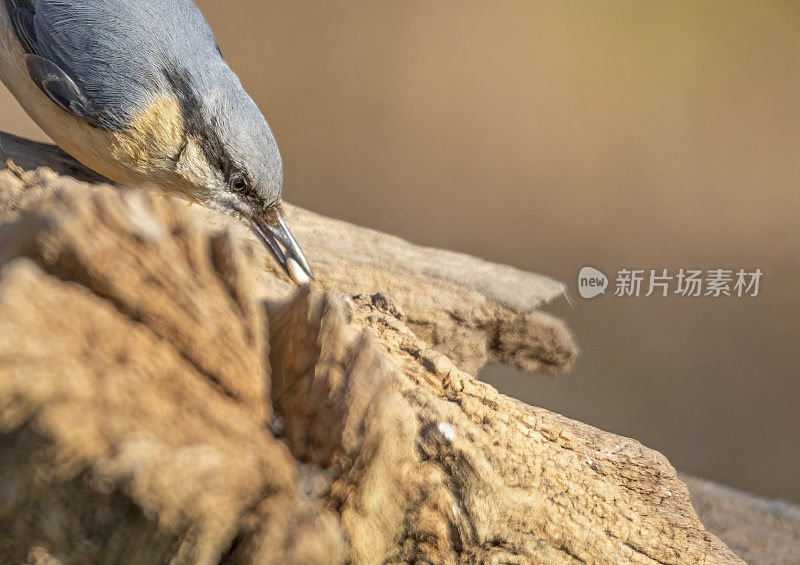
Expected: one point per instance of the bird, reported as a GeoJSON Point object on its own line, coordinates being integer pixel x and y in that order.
{"type": "Point", "coordinates": [138, 91]}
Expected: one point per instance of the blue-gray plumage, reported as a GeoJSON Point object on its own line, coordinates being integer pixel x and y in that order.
{"type": "Point", "coordinates": [138, 90]}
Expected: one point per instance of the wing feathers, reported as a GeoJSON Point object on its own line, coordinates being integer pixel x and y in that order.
{"type": "Point", "coordinates": [21, 15]}
{"type": "Point", "coordinates": [47, 75]}
{"type": "Point", "coordinates": [104, 60]}
{"type": "Point", "coordinates": [56, 84]}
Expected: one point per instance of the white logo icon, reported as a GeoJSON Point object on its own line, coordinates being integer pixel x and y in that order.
{"type": "Point", "coordinates": [591, 282]}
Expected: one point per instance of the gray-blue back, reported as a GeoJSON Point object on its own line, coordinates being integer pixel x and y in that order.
{"type": "Point", "coordinates": [120, 53]}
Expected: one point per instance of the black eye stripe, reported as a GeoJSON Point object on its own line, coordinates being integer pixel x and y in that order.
{"type": "Point", "coordinates": [195, 123]}
{"type": "Point", "coordinates": [206, 136]}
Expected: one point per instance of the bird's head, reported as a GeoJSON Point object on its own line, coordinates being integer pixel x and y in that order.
{"type": "Point", "coordinates": [230, 162]}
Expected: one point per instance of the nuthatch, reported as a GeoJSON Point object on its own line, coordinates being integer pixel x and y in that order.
{"type": "Point", "coordinates": [138, 91]}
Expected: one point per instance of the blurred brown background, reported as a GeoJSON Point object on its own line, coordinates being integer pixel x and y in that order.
{"type": "Point", "coordinates": [551, 135]}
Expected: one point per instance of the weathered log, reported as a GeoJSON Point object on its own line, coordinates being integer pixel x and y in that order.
{"type": "Point", "coordinates": [472, 310]}
{"type": "Point", "coordinates": [157, 405]}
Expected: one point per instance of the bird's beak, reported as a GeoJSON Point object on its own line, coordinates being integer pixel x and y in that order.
{"type": "Point", "coordinates": [275, 234]}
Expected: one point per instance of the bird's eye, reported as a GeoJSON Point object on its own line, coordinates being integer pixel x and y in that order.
{"type": "Point", "coordinates": [238, 183]}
